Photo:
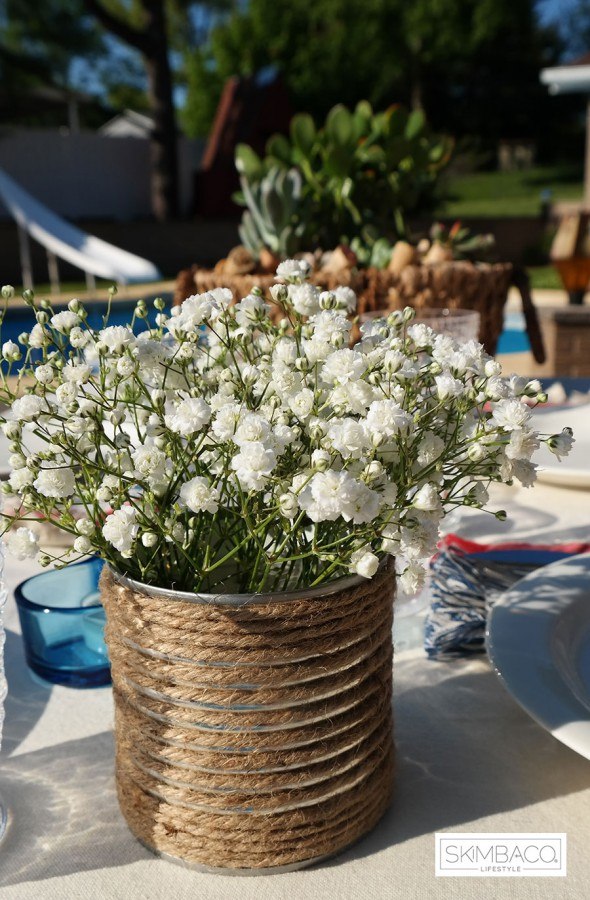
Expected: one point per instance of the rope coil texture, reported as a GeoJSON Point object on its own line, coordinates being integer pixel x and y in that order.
{"type": "Point", "coordinates": [256, 736]}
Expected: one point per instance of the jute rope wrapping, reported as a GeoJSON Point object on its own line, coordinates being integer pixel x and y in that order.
{"type": "Point", "coordinates": [257, 735]}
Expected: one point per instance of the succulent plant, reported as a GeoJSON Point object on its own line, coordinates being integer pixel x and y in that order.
{"type": "Point", "coordinates": [359, 170]}
{"type": "Point", "coordinates": [273, 214]}
{"type": "Point", "coordinates": [461, 241]}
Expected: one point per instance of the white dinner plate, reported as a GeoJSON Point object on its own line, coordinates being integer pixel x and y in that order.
{"type": "Point", "coordinates": [538, 639]}
{"type": "Point", "coordinates": [573, 470]}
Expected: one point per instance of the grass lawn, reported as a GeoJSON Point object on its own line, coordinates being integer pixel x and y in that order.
{"type": "Point", "coordinates": [509, 193]}
{"type": "Point", "coordinates": [545, 277]}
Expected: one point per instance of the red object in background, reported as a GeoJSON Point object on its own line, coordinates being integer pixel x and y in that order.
{"type": "Point", "coordinates": [249, 112]}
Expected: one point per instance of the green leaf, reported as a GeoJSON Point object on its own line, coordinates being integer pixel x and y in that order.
{"type": "Point", "coordinates": [340, 126]}
{"type": "Point", "coordinates": [303, 133]}
{"type": "Point", "coordinates": [279, 148]}
{"type": "Point", "coordinates": [248, 163]}
{"type": "Point", "coordinates": [415, 124]}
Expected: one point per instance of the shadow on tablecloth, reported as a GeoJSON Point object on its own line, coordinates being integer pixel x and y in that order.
{"type": "Point", "coordinates": [26, 699]}
{"type": "Point", "coordinates": [465, 751]}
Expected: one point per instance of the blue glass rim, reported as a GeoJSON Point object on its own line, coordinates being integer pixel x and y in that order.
{"type": "Point", "coordinates": [25, 603]}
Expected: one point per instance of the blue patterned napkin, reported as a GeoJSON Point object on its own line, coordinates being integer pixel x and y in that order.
{"type": "Point", "coordinates": [467, 578]}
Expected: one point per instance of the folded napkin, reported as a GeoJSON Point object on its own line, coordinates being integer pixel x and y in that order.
{"type": "Point", "coordinates": [467, 578]}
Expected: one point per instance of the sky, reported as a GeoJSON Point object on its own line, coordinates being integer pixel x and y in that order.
{"type": "Point", "coordinates": [552, 9]}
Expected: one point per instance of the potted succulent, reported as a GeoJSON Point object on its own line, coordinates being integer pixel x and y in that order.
{"type": "Point", "coordinates": [341, 196]}
{"type": "Point", "coordinates": [252, 486]}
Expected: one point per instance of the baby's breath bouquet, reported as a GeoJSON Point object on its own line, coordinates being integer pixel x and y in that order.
{"type": "Point", "coordinates": [220, 451]}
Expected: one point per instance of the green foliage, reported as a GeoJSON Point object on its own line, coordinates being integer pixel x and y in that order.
{"type": "Point", "coordinates": [472, 65]}
{"type": "Point", "coordinates": [362, 173]}
{"type": "Point", "coordinates": [274, 216]}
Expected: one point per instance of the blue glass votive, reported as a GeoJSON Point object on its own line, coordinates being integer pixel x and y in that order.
{"type": "Point", "coordinates": [62, 622]}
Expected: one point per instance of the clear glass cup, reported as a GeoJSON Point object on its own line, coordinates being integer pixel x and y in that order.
{"type": "Point", "coordinates": [62, 622]}
{"type": "Point", "coordinates": [461, 324]}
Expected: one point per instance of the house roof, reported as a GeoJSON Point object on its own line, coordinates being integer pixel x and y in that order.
{"type": "Point", "coordinates": [570, 78]}
{"type": "Point", "coordinates": [129, 123]}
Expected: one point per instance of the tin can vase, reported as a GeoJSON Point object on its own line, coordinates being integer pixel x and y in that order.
{"type": "Point", "coordinates": [253, 732]}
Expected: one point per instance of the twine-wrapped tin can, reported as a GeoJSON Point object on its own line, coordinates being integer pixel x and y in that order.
{"type": "Point", "coordinates": [253, 732]}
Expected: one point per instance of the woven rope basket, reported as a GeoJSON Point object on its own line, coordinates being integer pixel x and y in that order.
{"type": "Point", "coordinates": [253, 733]}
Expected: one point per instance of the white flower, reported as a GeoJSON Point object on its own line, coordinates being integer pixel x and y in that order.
{"type": "Point", "coordinates": [360, 504]}
{"type": "Point", "coordinates": [65, 321]}
{"type": "Point", "coordinates": [364, 563]}
{"type": "Point", "coordinates": [150, 464]}
{"type": "Point", "coordinates": [561, 444]}
{"type": "Point", "coordinates": [522, 444]}
{"type": "Point", "coordinates": [430, 448]}
{"type": "Point", "coordinates": [301, 403]}
{"type": "Point", "coordinates": [320, 460]}
{"type": "Point", "coordinates": [27, 408]}
{"type": "Point", "coordinates": [199, 496]}
{"type": "Point", "coordinates": [511, 414]}
{"type": "Point", "coordinates": [422, 335]}
{"type": "Point", "coordinates": [76, 373]}
{"type": "Point", "coordinates": [82, 544]}
{"type": "Point", "coordinates": [346, 298]}
{"type": "Point", "coordinates": [525, 471]}
{"type": "Point", "coordinates": [288, 505]}
{"type": "Point", "coordinates": [331, 494]}
{"type": "Point", "coordinates": [305, 299]}
{"type": "Point", "coordinates": [448, 387]}
{"type": "Point", "coordinates": [349, 437]}
{"type": "Point", "coordinates": [252, 427]}
{"type": "Point", "coordinates": [412, 578]}
{"type": "Point", "coordinates": [44, 374]}
{"type": "Point", "coordinates": [11, 351]}
{"type": "Point", "coordinates": [57, 481]}
{"type": "Point", "coordinates": [21, 479]}
{"type": "Point", "coordinates": [120, 529]}
{"type": "Point", "coordinates": [226, 421]}
{"type": "Point", "coordinates": [38, 337]}
{"type": "Point", "coordinates": [250, 310]}
{"type": "Point", "coordinates": [79, 338]}
{"type": "Point", "coordinates": [116, 338]}
{"type": "Point", "coordinates": [327, 323]}
{"type": "Point", "coordinates": [354, 397]}
{"type": "Point", "coordinates": [293, 270]}
{"type": "Point", "coordinates": [343, 366]}
{"type": "Point", "coordinates": [253, 465]}
{"type": "Point", "coordinates": [22, 543]}
{"type": "Point", "coordinates": [427, 498]}
{"type": "Point", "coordinates": [386, 417]}
{"type": "Point", "coordinates": [66, 393]}
{"type": "Point", "coordinates": [189, 416]}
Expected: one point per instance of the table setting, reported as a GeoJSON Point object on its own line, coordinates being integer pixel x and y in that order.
{"type": "Point", "coordinates": [253, 730]}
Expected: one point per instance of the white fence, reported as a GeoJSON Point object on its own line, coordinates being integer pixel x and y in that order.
{"type": "Point", "coordinates": [88, 175]}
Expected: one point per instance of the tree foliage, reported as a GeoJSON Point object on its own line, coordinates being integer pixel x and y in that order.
{"type": "Point", "coordinates": [471, 64]}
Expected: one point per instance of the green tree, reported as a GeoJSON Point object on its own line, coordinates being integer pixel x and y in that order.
{"type": "Point", "coordinates": [41, 42]}
{"type": "Point", "coordinates": [463, 61]}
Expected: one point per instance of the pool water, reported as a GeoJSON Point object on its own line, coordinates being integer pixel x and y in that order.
{"type": "Point", "coordinates": [514, 338]}
{"type": "Point", "coordinates": [22, 319]}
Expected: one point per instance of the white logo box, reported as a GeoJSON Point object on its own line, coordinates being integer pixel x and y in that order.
{"type": "Point", "coordinates": [515, 854]}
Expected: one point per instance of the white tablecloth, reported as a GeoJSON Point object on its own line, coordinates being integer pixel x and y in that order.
{"type": "Point", "coordinates": [469, 759]}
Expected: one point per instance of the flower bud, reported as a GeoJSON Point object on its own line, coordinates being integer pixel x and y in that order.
{"type": "Point", "coordinates": [328, 300]}
{"type": "Point", "coordinates": [7, 291]}
{"type": "Point", "coordinates": [501, 515]}
{"type": "Point", "coordinates": [42, 317]}
{"type": "Point", "coordinates": [28, 296]}
{"type": "Point", "coordinates": [149, 539]}
{"type": "Point", "coordinates": [279, 293]}
{"type": "Point", "coordinates": [288, 505]}
{"type": "Point", "coordinates": [408, 314]}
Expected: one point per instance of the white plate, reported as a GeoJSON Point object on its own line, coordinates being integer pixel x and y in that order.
{"type": "Point", "coordinates": [538, 639]}
{"type": "Point", "coordinates": [573, 470]}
